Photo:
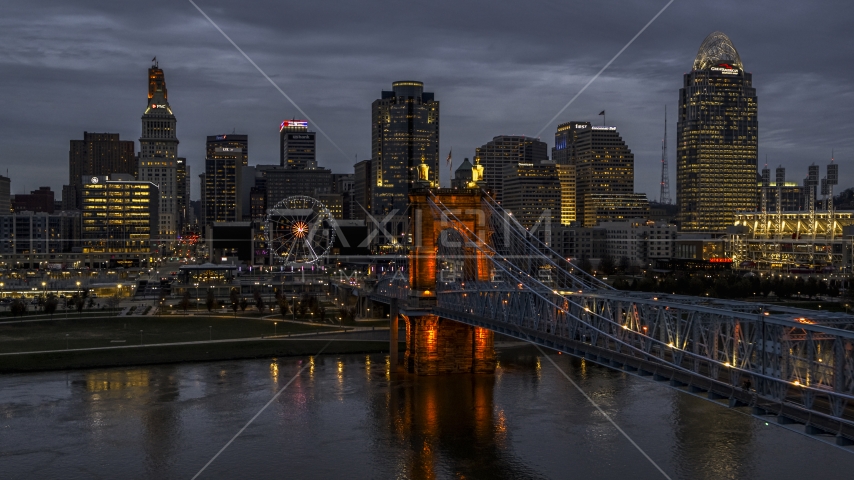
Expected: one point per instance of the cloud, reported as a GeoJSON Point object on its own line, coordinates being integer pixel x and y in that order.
{"type": "Point", "coordinates": [496, 67]}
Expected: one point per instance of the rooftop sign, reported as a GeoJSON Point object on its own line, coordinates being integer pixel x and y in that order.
{"type": "Point", "coordinates": [293, 123]}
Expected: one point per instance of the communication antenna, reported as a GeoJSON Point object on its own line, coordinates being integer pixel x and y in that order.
{"type": "Point", "coordinates": [664, 196]}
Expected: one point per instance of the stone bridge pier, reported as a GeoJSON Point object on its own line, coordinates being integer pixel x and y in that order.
{"type": "Point", "coordinates": [437, 345]}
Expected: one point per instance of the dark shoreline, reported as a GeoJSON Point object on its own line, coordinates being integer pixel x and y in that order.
{"type": "Point", "coordinates": [126, 356]}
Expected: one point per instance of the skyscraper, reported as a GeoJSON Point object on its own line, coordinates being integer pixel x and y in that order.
{"type": "Point", "coordinates": [5, 195]}
{"type": "Point", "coordinates": [182, 195]}
{"type": "Point", "coordinates": [297, 146]}
{"type": "Point", "coordinates": [504, 150]}
{"type": "Point", "coordinates": [362, 192]}
{"type": "Point", "coordinates": [717, 139]}
{"type": "Point", "coordinates": [225, 157]}
{"type": "Point", "coordinates": [603, 165]}
{"type": "Point", "coordinates": [404, 133]}
{"type": "Point", "coordinates": [97, 154]}
{"type": "Point", "coordinates": [158, 151]}
{"type": "Point", "coordinates": [532, 193]}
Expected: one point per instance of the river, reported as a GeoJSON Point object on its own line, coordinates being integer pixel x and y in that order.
{"type": "Point", "coordinates": [344, 417]}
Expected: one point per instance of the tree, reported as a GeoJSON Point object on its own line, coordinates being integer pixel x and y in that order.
{"type": "Point", "coordinates": [185, 301]}
{"type": "Point", "coordinates": [243, 304]}
{"type": "Point", "coordinates": [607, 265]}
{"type": "Point", "coordinates": [584, 265]}
{"type": "Point", "coordinates": [50, 305]}
{"type": "Point", "coordinates": [113, 301]}
{"type": "Point", "coordinates": [80, 304]}
{"type": "Point", "coordinates": [259, 301]}
{"type": "Point", "coordinates": [348, 314]}
{"type": "Point", "coordinates": [625, 264]}
{"type": "Point", "coordinates": [19, 307]}
{"type": "Point", "coordinates": [234, 297]}
{"type": "Point", "coordinates": [210, 300]}
{"type": "Point", "coordinates": [284, 307]}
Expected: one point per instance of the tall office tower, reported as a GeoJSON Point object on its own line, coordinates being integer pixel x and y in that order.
{"type": "Point", "coordinates": [504, 150]}
{"type": "Point", "coordinates": [120, 218]}
{"type": "Point", "coordinates": [5, 195]}
{"type": "Point", "coordinates": [158, 151]}
{"type": "Point", "coordinates": [342, 183]}
{"type": "Point", "coordinates": [297, 146]}
{"type": "Point", "coordinates": [603, 165]}
{"type": "Point", "coordinates": [404, 134]}
{"type": "Point", "coordinates": [182, 195]}
{"type": "Point", "coordinates": [97, 154]}
{"type": "Point", "coordinates": [225, 157]}
{"type": "Point", "coordinates": [202, 207]}
{"type": "Point", "coordinates": [532, 193]}
{"type": "Point", "coordinates": [717, 139]}
{"type": "Point", "coordinates": [362, 193]}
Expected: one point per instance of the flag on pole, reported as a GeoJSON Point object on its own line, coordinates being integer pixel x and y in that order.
{"type": "Point", "coordinates": [602, 112]}
{"type": "Point", "coordinates": [448, 160]}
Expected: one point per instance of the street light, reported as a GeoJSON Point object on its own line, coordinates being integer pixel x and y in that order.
{"type": "Point", "coordinates": [210, 333]}
{"type": "Point", "coordinates": [275, 328]}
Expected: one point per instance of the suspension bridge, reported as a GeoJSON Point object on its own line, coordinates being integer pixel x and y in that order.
{"type": "Point", "coordinates": [473, 271]}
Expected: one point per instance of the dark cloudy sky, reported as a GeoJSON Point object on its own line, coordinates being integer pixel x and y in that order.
{"type": "Point", "coordinates": [498, 67]}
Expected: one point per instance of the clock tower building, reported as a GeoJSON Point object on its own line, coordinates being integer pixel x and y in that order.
{"type": "Point", "coordinates": [158, 152]}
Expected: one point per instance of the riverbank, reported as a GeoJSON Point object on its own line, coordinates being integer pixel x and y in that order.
{"type": "Point", "coordinates": [232, 349]}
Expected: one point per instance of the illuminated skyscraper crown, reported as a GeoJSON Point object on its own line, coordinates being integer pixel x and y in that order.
{"type": "Point", "coordinates": [717, 49]}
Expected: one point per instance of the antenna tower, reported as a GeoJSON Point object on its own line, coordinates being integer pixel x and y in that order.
{"type": "Point", "coordinates": [664, 196]}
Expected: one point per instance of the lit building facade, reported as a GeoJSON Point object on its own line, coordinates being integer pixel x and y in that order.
{"type": "Point", "coordinates": [600, 207]}
{"type": "Point", "coordinates": [404, 134]}
{"type": "Point", "coordinates": [158, 152]}
{"type": "Point", "coordinates": [225, 157]}
{"type": "Point", "coordinates": [603, 165]}
{"type": "Point", "coordinates": [297, 145]}
{"type": "Point", "coordinates": [120, 217]}
{"type": "Point", "coordinates": [717, 139]}
{"type": "Point", "coordinates": [182, 195]}
{"type": "Point", "coordinates": [532, 194]}
{"type": "Point", "coordinates": [505, 150]}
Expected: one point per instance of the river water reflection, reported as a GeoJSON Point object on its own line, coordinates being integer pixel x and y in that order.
{"type": "Point", "coordinates": [343, 417]}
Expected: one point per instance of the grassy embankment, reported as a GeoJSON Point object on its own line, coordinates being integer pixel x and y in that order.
{"type": "Point", "coordinates": [113, 331]}
{"type": "Point", "coordinates": [115, 341]}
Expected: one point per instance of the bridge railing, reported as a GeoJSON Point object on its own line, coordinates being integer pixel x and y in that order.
{"type": "Point", "coordinates": [784, 358]}
{"type": "Point", "coordinates": [786, 355]}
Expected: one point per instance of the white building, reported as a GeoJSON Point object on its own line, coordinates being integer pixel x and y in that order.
{"type": "Point", "coordinates": [642, 242]}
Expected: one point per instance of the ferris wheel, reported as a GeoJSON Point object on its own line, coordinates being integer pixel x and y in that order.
{"type": "Point", "coordinates": [298, 231]}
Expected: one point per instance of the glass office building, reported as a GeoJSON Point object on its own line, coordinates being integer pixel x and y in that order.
{"type": "Point", "coordinates": [225, 155]}
{"type": "Point", "coordinates": [405, 133]}
{"type": "Point", "coordinates": [120, 216]}
{"type": "Point", "coordinates": [594, 160]}
{"type": "Point", "coordinates": [717, 139]}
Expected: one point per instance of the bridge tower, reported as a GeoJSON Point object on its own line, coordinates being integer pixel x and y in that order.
{"type": "Point", "coordinates": [438, 345]}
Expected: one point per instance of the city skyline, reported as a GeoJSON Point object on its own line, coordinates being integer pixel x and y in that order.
{"type": "Point", "coordinates": [214, 90]}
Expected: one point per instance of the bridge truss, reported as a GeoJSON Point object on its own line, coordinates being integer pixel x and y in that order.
{"type": "Point", "coordinates": [795, 364]}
